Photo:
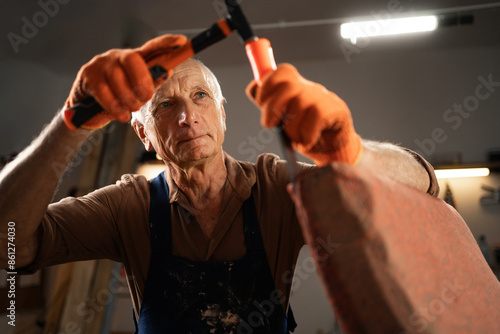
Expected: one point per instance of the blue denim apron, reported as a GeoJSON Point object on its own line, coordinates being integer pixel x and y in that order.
{"type": "Point", "coordinates": [184, 296]}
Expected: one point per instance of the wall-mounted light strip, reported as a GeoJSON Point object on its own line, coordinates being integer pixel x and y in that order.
{"type": "Point", "coordinates": [336, 20]}
{"type": "Point", "coordinates": [406, 25]}
{"type": "Point", "coordinates": [461, 172]}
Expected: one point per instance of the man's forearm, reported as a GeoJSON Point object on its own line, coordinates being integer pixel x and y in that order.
{"type": "Point", "coordinates": [27, 185]}
{"type": "Point", "coordinates": [392, 161]}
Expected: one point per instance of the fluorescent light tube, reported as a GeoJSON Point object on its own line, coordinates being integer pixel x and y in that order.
{"type": "Point", "coordinates": [355, 30]}
{"type": "Point", "coordinates": [461, 172]}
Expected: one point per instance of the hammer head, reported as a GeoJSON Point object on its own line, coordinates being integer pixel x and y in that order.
{"type": "Point", "coordinates": [238, 21]}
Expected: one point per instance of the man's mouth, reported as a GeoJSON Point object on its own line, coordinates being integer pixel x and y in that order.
{"type": "Point", "coordinates": [191, 139]}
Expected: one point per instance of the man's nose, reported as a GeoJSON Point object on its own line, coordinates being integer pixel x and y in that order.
{"type": "Point", "coordinates": [188, 115]}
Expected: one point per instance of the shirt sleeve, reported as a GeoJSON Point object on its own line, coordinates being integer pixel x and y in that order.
{"type": "Point", "coordinates": [87, 227]}
{"type": "Point", "coordinates": [433, 189]}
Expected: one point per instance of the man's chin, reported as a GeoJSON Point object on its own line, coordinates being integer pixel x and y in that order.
{"type": "Point", "coordinates": [193, 158]}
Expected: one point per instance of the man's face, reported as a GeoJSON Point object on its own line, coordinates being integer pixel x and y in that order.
{"type": "Point", "coordinates": [185, 123]}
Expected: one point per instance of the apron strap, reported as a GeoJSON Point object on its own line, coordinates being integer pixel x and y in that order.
{"type": "Point", "coordinates": [291, 324]}
{"type": "Point", "coordinates": [254, 243]}
{"type": "Point", "coordinates": [159, 217]}
{"type": "Point", "coordinates": [251, 228]}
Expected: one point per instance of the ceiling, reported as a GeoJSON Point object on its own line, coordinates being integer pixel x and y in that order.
{"type": "Point", "coordinates": [72, 31]}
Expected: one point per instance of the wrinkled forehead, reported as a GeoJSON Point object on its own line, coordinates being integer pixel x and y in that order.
{"type": "Point", "coordinates": [186, 76]}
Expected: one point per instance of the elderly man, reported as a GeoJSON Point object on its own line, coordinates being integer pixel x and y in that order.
{"type": "Point", "coordinates": [207, 244]}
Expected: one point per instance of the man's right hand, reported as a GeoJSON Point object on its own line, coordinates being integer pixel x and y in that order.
{"type": "Point", "coordinates": [120, 81]}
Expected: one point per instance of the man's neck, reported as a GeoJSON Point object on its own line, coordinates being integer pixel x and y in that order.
{"type": "Point", "coordinates": [203, 182]}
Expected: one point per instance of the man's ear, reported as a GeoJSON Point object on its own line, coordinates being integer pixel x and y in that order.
{"type": "Point", "coordinates": [223, 115]}
{"type": "Point", "coordinates": [141, 133]}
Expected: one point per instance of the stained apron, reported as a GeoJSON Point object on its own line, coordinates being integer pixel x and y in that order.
{"type": "Point", "coordinates": [184, 296]}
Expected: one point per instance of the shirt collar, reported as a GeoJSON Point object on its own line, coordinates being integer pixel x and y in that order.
{"type": "Point", "coordinates": [241, 176]}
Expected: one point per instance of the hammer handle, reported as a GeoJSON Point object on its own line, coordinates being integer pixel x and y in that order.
{"type": "Point", "coordinates": [260, 55]}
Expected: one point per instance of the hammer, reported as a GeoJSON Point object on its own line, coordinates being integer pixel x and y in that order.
{"type": "Point", "coordinates": [259, 53]}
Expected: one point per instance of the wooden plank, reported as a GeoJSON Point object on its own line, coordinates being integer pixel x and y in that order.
{"type": "Point", "coordinates": [101, 294]}
{"type": "Point", "coordinates": [93, 149]}
{"type": "Point", "coordinates": [75, 314]}
{"type": "Point", "coordinates": [90, 296]}
{"type": "Point", "coordinates": [57, 298]}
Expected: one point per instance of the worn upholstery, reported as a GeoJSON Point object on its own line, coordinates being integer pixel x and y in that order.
{"type": "Point", "coordinates": [402, 260]}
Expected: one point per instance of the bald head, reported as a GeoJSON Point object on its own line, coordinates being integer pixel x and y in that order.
{"type": "Point", "coordinates": [209, 76]}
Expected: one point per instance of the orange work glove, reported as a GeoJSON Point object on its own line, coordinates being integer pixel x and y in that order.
{"type": "Point", "coordinates": [317, 121]}
{"type": "Point", "coordinates": [119, 80]}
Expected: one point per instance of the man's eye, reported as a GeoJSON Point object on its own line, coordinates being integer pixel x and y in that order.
{"type": "Point", "coordinates": [164, 104]}
{"type": "Point", "coordinates": [201, 94]}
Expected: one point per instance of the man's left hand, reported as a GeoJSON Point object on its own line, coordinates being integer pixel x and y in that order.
{"type": "Point", "coordinates": [317, 121]}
